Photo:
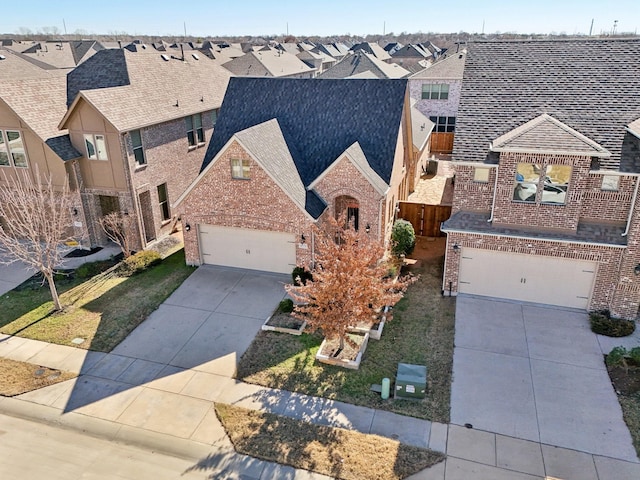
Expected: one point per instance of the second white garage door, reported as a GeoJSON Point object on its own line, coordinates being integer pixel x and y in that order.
{"type": "Point", "coordinates": [246, 248]}
{"type": "Point", "coordinates": [529, 278]}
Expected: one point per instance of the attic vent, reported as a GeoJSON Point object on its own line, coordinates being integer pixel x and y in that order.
{"type": "Point", "coordinates": [195, 56]}
{"type": "Point", "coordinates": [165, 57]}
{"type": "Point", "coordinates": [143, 46]}
{"type": "Point", "coordinates": [2, 57]}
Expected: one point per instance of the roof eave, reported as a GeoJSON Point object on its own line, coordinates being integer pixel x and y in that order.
{"type": "Point", "coordinates": [594, 153]}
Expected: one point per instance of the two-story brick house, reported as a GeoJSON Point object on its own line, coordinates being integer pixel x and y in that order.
{"type": "Point", "coordinates": [141, 120]}
{"type": "Point", "coordinates": [547, 160]}
{"type": "Point", "coordinates": [285, 154]}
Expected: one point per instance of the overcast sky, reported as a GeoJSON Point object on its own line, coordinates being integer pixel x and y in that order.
{"type": "Point", "coordinates": [328, 17]}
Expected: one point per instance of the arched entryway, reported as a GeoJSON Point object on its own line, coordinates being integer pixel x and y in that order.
{"type": "Point", "coordinates": [350, 207]}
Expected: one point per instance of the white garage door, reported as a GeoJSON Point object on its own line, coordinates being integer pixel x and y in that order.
{"type": "Point", "coordinates": [529, 278]}
{"type": "Point", "coordinates": [246, 248]}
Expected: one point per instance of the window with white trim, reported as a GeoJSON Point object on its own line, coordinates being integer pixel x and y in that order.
{"type": "Point", "coordinates": [435, 91]}
{"type": "Point", "coordinates": [96, 146]}
{"type": "Point", "coordinates": [12, 151]}
{"type": "Point", "coordinates": [240, 169]}
{"type": "Point", "coordinates": [138, 149]}
{"type": "Point", "coordinates": [195, 132]}
{"type": "Point", "coordinates": [551, 180]}
{"type": "Point", "coordinates": [444, 124]}
{"type": "Point", "coordinates": [163, 198]}
{"type": "Point", "coordinates": [214, 116]}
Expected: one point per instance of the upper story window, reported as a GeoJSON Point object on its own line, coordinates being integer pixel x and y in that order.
{"type": "Point", "coordinates": [96, 146]}
{"type": "Point", "coordinates": [195, 132]}
{"type": "Point", "coordinates": [444, 124]}
{"type": "Point", "coordinates": [435, 91]}
{"type": "Point", "coordinates": [163, 199]}
{"type": "Point", "coordinates": [214, 116]}
{"type": "Point", "coordinates": [553, 180]}
{"type": "Point", "coordinates": [610, 182]}
{"type": "Point", "coordinates": [138, 149]}
{"type": "Point", "coordinates": [240, 168]}
{"type": "Point", "coordinates": [12, 150]}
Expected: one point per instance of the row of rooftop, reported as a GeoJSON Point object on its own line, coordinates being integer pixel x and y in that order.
{"type": "Point", "coordinates": [273, 59]}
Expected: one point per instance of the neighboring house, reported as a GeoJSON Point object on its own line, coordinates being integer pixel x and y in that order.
{"type": "Point", "coordinates": [392, 47]}
{"type": "Point", "coordinates": [410, 55]}
{"type": "Point", "coordinates": [364, 65]}
{"type": "Point", "coordinates": [269, 62]}
{"type": "Point", "coordinates": [547, 161]}
{"type": "Point", "coordinates": [372, 49]}
{"type": "Point", "coordinates": [30, 109]}
{"type": "Point", "coordinates": [60, 54]}
{"type": "Point", "coordinates": [141, 120]}
{"type": "Point", "coordinates": [436, 93]}
{"type": "Point", "coordinates": [287, 153]}
{"type": "Point", "coordinates": [332, 50]}
{"type": "Point", "coordinates": [320, 61]}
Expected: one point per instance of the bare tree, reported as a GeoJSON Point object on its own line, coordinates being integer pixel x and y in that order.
{"type": "Point", "coordinates": [121, 229]}
{"type": "Point", "coordinates": [349, 282]}
{"type": "Point", "coordinates": [37, 221]}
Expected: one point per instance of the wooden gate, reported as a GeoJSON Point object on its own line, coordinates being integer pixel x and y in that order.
{"type": "Point", "coordinates": [426, 219]}
{"type": "Point", "coordinates": [441, 142]}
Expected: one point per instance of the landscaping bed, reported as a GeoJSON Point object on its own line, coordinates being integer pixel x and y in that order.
{"type": "Point", "coordinates": [626, 383]}
{"type": "Point", "coordinates": [421, 332]}
{"type": "Point", "coordinates": [335, 452]}
{"type": "Point", "coordinates": [100, 310]}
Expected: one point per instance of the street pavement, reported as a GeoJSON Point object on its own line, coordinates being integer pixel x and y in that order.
{"type": "Point", "coordinates": [157, 389]}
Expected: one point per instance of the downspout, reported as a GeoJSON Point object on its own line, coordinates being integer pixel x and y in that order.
{"type": "Point", "coordinates": [633, 203]}
{"type": "Point", "coordinates": [495, 191]}
{"type": "Point", "coordinates": [313, 250]}
{"type": "Point", "coordinates": [380, 217]}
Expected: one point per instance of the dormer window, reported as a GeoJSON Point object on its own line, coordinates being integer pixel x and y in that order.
{"type": "Point", "coordinates": [552, 181]}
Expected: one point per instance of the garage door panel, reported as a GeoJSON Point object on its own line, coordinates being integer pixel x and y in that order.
{"type": "Point", "coordinates": [247, 248]}
{"type": "Point", "coordinates": [531, 278]}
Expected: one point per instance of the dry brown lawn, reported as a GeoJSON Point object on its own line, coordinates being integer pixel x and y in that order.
{"type": "Point", "coordinates": [23, 377]}
{"type": "Point", "coordinates": [336, 452]}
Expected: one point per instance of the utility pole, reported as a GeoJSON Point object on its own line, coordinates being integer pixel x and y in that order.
{"type": "Point", "coordinates": [185, 30]}
{"type": "Point", "coordinates": [482, 27]}
{"type": "Point", "coordinates": [384, 28]}
{"type": "Point", "coordinates": [65, 27]}
{"type": "Point", "coordinates": [615, 25]}
{"type": "Point", "coordinates": [591, 29]}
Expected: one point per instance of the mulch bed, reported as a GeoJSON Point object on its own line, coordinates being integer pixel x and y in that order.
{"type": "Point", "coordinates": [284, 320]}
{"type": "Point", "coordinates": [82, 252]}
{"type": "Point", "coordinates": [626, 383]}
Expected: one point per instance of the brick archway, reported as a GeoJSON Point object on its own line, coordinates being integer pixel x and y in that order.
{"type": "Point", "coordinates": [350, 206]}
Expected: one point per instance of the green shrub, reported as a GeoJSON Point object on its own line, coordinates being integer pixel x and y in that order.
{"type": "Point", "coordinates": [139, 262]}
{"type": "Point", "coordinates": [403, 238]}
{"type": "Point", "coordinates": [286, 305]}
{"type": "Point", "coordinates": [301, 275]}
{"type": "Point", "coordinates": [603, 324]}
{"type": "Point", "coordinates": [616, 356]}
{"type": "Point", "coordinates": [91, 269]}
{"type": "Point", "coordinates": [634, 355]}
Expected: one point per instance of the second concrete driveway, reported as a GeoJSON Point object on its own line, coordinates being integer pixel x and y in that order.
{"type": "Point", "coordinates": [208, 322]}
{"type": "Point", "coordinates": [536, 373]}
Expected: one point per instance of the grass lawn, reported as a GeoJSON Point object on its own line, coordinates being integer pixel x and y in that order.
{"type": "Point", "coordinates": [421, 332]}
{"type": "Point", "coordinates": [103, 310]}
{"type": "Point", "coordinates": [22, 377]}
{"type": "Point", "coordinates": [335, 452]}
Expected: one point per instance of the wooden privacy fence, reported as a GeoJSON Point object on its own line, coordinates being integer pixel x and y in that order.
{"type": "Point", "coordinates": [426, 219]}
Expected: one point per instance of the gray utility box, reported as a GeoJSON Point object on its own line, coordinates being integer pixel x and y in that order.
{"type": "Point", "coordinates": [411, 381]}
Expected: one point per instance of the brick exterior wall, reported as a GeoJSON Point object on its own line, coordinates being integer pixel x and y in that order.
{"type": "Point", "coordinates": [471, 195]}
{"type": "Point", "coordinates": [345, 179]}
{"type": "Point", "coordinates": [441, 108]}
{"type": "Point", "coordinates": [258, 203]}
{"type": "Point", "coordinates": [617, 287]}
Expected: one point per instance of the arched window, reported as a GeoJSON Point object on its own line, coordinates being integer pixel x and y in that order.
{"type": "Point", "coordinates": [350, 207]}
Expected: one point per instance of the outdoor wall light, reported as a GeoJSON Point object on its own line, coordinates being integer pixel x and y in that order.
{"type": "Point", "coordinates": [302, 238]}
{"type": "Point", "coordinates": [367, 228]}
{"type": "Point", "coordinates": [456, 247]}
{"type": "Point", "coordinates": [187, 227]}
{"type": "Point", "coordinates": [636, 270]}
{"type": "Point", "coordinates": [75, 212]}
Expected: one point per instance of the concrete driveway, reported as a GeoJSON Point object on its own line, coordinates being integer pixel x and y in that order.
{"type": "Point", "coordinates": [13, 275]}
{"type": "Point", "coordinates": [537, 373]}
{"type": "Point", "coordinates": [208, 322]}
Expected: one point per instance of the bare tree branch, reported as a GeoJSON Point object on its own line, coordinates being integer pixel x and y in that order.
{"type": "Point", "coordinates": [37, 221]}
{"type": "Point", "coordinates": [121, 229]}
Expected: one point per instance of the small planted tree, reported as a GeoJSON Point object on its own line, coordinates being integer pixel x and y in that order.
{"type": "Point", "coordinates": [120, 228]}
{"type": "Point", "coordinates": [403, 238]}
{"type": "Point", "coordinates": [38, 220]}
{"type": "Point", "coordinates": [349, 284]}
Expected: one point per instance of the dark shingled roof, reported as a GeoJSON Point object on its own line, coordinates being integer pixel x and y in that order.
{"type": "Point", "coordinates": [108, 68]}
{"type": "Point", "coordinates": [587, 232]}
{"type": "Point", "coordinates": [319, 119]}
{"type": "Point", "coordinates": [62, 147]}
{"type": "Point", "coordinates": [590, 85]}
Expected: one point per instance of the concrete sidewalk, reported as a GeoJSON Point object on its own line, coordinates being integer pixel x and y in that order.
{"type": "Point", "coordinates": [158, 387]}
